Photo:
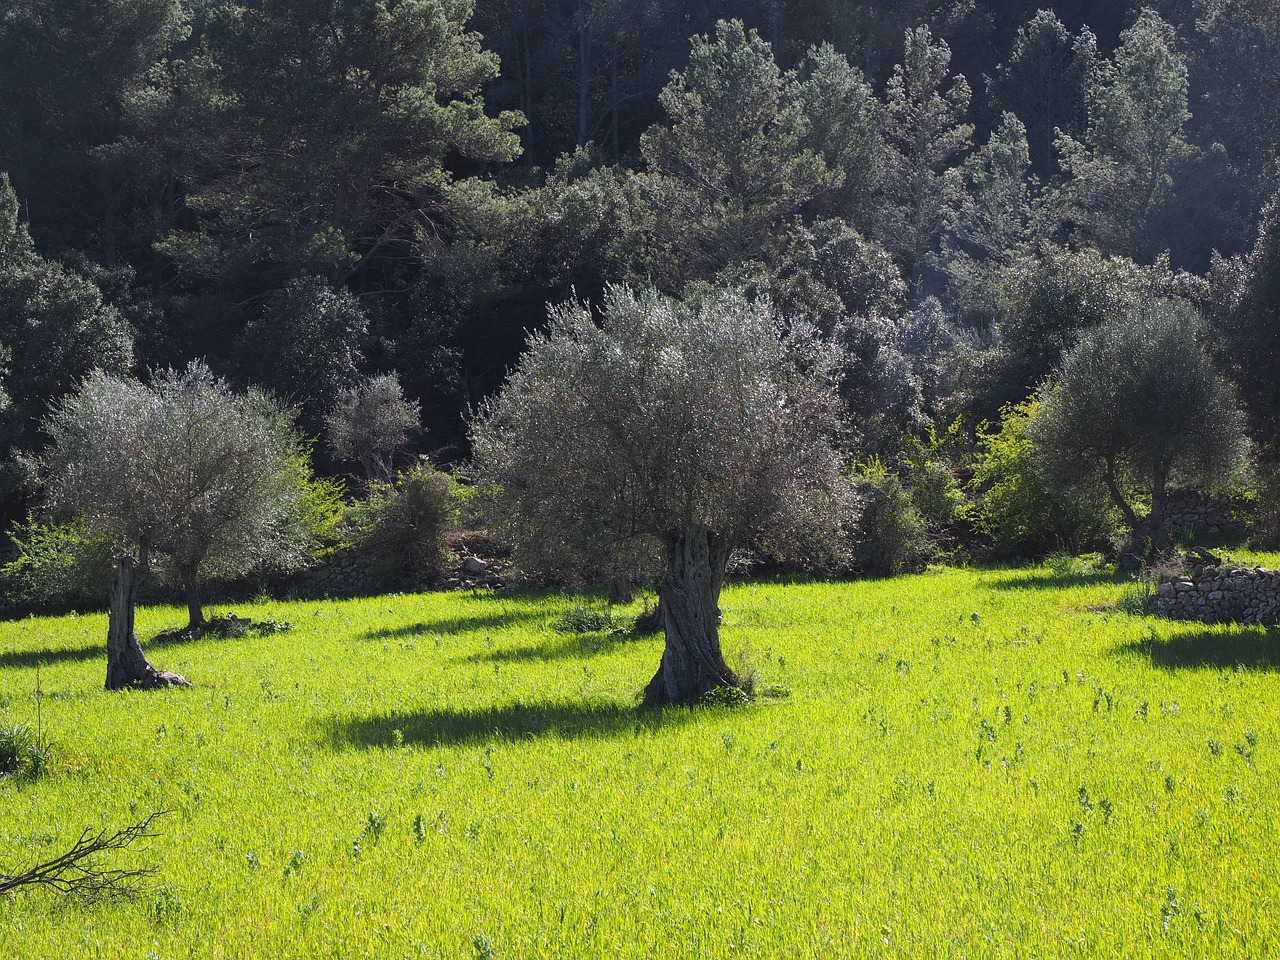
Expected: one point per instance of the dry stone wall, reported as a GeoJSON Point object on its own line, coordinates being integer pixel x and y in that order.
{"type": "Point", "coordinates": [1190, 511]}
{"type": "Point", "coordinates": [1221, 595]}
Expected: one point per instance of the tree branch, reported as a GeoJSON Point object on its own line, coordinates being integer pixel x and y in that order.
{"type": "Point", "coordinates": [73, 872]}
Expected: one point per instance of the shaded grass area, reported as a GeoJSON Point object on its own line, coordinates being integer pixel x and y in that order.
{"type": "Point", "coordinates": [517, 721]}
{"type": "Point", "coordinates": [1216, 648]}
{"type": "Point", "coordinates": [48, 656]}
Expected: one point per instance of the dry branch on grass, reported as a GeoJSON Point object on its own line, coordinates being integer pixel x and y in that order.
{"type": "Point", "coordinates": [74, 873]}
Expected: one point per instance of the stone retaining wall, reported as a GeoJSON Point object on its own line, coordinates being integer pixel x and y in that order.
{"type": "Point", "coordinates": [1189, 511]}
{"type": "Point", "coordinates": [347, 573]}
{"type": "Point", "coordinates": [1221, 595]}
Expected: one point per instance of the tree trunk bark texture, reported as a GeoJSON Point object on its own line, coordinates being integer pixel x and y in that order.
{"type": "Point", "coordinates": [127, 665]}
{"type": "Point", "coordinates": [692, 663]}
{"type": "Point", "coordinates": [191, 593]}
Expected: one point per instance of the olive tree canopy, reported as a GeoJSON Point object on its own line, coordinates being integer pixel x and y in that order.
{"type": "Point", "coordinates": [213, 481]}
{"type": "Point", "coordinates": [1136, 403]}
{"type": "Point", "coordinates": [370, 423]}
{"type": "Point", "coordinates": [673, 431]}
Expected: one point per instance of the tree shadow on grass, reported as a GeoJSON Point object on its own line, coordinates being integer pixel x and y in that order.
{"type": "Point", "coordinates": [1056, 581]}
{"type": "Point", "coordinates": [579, 646]}
{"type": "Point", "coordinates": [30, 659]}
{"type": "Point", "coordinates": [1252, 648]}
{"type": "Point", "coordinates": [517, 721]}
{"type": "Point", "coordinates": [446, 625]}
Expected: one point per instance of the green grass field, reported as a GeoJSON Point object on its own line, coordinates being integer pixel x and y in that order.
{"type": "Point", "coordinates": [969, 763]}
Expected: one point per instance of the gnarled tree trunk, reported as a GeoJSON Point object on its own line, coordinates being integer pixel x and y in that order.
{"type": "Point", "coordinates": [127, 665]}
{"type": "Point", "coordinates": [191, 593]}
{"type": "Point", "coordinates": [689, 599]}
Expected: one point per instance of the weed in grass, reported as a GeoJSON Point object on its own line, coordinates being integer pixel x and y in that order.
{"type": "Point", "coordinates": [16, 743]}
{"type": "Point", "coordinates": [1215, 748]}
{"type": "Point", "coordinates": [419, 830]}
{"type": "Point", "coordinates": [724, 697]}
{"type": "Point", "coordinates": [1171, 908]}
{"type": "Point", "coordinates": [166, 907]}
{"type": "Point", "coordinates": [296, 860]}
{"type": "Point", "coordinates": [307, 909]}
{"type": "Point", "coordinates": [582, 620]}
{"type": "Point", "coordinates": [374, 825]}
{"type": "Point", "coordinates": [1085, 801]}
{"type": "Point", "coordinates": [1246, 752]}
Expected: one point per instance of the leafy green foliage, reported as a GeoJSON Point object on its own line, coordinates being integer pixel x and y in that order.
{"type": "Point", "coordinates": [399, 526]}
{"type": "Point", "coordinates": [370, 423]}
{"type": "Point", "coordinates": [891, 534]}
{"type": "Point", "coordinates": [305, 345]}
{"type": "Point", "coordinates": [1122, 174]}
{"type": "Point", "coordinates": [1247, 329]}
{"type": "Point", "coordinates": [734, 162]}
{"type": "Point", "coordinates": [213, 481]}
{"type": "Point", "coordinates": [1017, 508]}
{"type": "Point", "coordinates": [54, 329]}
{"type": "Point", "coordinates": [610, 439]}
{"type": "Point", "coordinates": [67, 564]}
{"type": "Point", "coordinates": [333, 126]}
{"type": "Point", "coordinates": [1045, 83]}
{"type": "Point", "coordinates": [1137, 400]}
{"type": "Point", "coordinates": [1050, 300]}
{"type": "Point", "coordinates": [926, 136]}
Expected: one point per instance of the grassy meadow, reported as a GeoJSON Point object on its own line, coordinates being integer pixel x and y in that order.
{"type": "Point", "coordinates": [963, 763]}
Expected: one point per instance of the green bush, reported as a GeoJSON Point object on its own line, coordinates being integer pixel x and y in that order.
{"type": "Point", "coordinates": [1262, 500]}
{"type": "Point", "coordinates": [1014, 505]}
{"type": "Point", "coordinates": [400, 526]}
{"type": "Point", "coordinates": [891, 533]}
{"type": "Point", "coordinates": [58, 565]}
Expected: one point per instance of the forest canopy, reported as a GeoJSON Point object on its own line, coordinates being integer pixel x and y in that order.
{"type": "Point", "coordinates": [310, 197]}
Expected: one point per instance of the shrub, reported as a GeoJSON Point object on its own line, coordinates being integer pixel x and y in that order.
{"type": "Point", "coordinates": [1014, 505]}
{"type": "Point", "coordinates": [58, 565]}
{"type": "Point", "coordinates": [400, 526]}
{"type": "Point", "coordinates": [891, 533]}
{"type": "Point", "coordinates": [1137, 404]}
{"type": "Point", "coordinates": [371, 423]}
{"type": "Point", "coordinates": [1264, 513]}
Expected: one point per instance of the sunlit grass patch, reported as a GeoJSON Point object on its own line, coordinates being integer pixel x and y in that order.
{"type": "Point", "coordinates": [969, 762]}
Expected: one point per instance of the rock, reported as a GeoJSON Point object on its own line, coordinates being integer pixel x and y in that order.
{"type": "Point", "coordinates": [475, 565]}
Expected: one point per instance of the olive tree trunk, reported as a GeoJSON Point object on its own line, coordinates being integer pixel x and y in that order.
{"type": "Point", "coordinates": [191, 593]}
{"type": "Point", "coordinates": [689, 602]}
{"type": "Point", "coordinates": [127, 665]}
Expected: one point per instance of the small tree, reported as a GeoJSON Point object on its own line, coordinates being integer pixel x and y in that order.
{"type": "Point", "coordinates": [671, 429]}
{"type": "Point", "coordinates": [371, 423]}
{"type": "Point", "coordinates": [213, 481]}
{"type": "Point", "coordinates": [1136, 401]}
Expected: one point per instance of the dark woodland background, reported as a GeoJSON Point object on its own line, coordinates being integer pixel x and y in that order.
{"type": "Point", "coordinates": [311, 192]}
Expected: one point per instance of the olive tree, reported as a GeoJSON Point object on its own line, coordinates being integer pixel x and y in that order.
{"type": "Point", "coordinates": [371, 422]}
{"type": "Point", "coordinates": [213, 481]}
{"type": "Point", "coordinates": [1134, 403]}
{"type": "Point", "coordinates": [671, 430]}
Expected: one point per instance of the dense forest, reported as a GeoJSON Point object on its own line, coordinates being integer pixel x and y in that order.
{"type": "Point", "coordinates": [310, 195]}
